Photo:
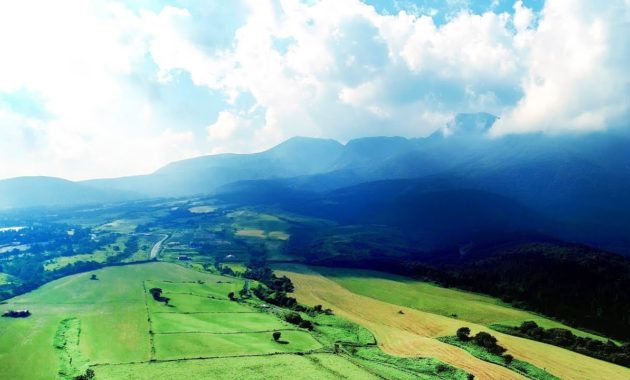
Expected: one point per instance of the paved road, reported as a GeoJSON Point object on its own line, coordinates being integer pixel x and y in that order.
{"type": "Point", "coordinates": [156, 248]}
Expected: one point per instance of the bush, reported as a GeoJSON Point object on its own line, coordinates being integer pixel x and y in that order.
{"type": "Point", "coordinates": [306, 324]}
{"type": "Point", "coordinates": [508, 359]}
{"type": "Point", "coordinates": [463, 333]}
{"type": "Point", "coordinates": [276, 335]}
{"type": "Point", "coordinates": [88, 375]}
{"type": "Point", "coordinates": [489, 342]}
{"type": "Point", "coordinates": [293, 318]}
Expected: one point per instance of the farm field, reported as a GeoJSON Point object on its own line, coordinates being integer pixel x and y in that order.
{"type": "Point", "coordinates": [424, 296]}
{"type": "Point", "coordinates": [309, 367]}
{"type": "Point", "coordinates": [413, 333]}
{"type": "Point", "coordinates": [99, 256]}
{"type": "Point", "coordinates": [114, 325]}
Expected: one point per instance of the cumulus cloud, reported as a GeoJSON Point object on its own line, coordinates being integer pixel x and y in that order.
{"type": "Point", "coordinates": [106, 75]}
{"type": "Point", "coordinates": [577, 76]}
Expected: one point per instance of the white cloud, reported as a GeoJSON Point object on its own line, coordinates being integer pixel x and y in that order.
{"type": "Point", "coordinates": [346, 71]}
{"type": "Point", "coordinates": [577, 75]}
{"type": "Point", "coordinates": [523, 16]}
{"type": "Point", "coordinates": [78, 57]}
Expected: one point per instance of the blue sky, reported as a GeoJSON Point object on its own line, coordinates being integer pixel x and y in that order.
{"type": "Point", "coordinates": [105, 88]}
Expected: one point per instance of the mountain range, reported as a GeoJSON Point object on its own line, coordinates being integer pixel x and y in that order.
{"type": "Point", "coordinates": [573, 186]}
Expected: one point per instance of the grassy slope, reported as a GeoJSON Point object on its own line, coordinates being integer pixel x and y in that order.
{"type": "Point", "coordinates": [404, 335]}
{"type": "Point", "coordinates": [413, 332]}
{"type": "Point", "coordinates": [99, 256]}
{"type": "Point", "coordinates": [312, 367]}
{"type": "Point", "coordinates": [110, 317]}
{"type": "Point", "coordinates": [467, 306]}
{"type": "Point", "coordinates": [114, 331]}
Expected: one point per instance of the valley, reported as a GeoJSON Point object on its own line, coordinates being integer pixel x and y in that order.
{"type": "Point", "coordinates": [381, 274]}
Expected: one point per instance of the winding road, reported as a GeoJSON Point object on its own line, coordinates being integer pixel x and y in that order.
{"type": "Point", "coordinates": [156, 248]}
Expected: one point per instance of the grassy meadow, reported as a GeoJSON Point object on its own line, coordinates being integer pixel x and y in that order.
{"type": "Point", "coordinates": [99, 256]}
{"type": "Point", "coordinates": [307, 367]}
{"type": "Point", "coordinates": [114, 325]}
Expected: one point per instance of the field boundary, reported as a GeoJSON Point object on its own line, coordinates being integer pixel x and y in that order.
{"type": "Point", "coordinates": [66, 343]}
{"type": "Point", "coordinates": [151, 334]}
{"type": "Point", "coordinates": [205, 312]}
{"type": "Point", "coordinates": [312, 352]}
{"type": "Point", "coordinates": [226, 333]}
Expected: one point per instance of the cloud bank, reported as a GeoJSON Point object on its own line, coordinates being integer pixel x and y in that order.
{"type": "Point", "coordinates": [102, 88]}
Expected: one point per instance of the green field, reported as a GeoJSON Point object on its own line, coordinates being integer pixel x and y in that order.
{"type": "Point", "coordinates": [116, 327]}
{"type": "Point", "coordinates": [307, 367]}
{"type": "Point", "coordinates": [121, 226]}
{"type": "Point", "coordinates": [204, 345]}
{"type": "Point", "coordinates": [99, 256]}
{"type": "Point", "coordinates": [209, 323]}
{"type": "Point", "coordinates": [5, 279]}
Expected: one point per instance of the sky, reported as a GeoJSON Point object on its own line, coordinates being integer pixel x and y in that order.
{"type": "Point", "coordinates": [96, 88]}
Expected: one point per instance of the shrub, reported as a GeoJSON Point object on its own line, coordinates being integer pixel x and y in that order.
{"type": "Point", "coordinates": [508, 359]}
{"type": "Point", "coordinates": [463, 333]}
{"type": "Point", "coordinates": [293, 318]}
{"type": "Point", "coordinates": [306, 324]}
{"type": "Point", "coordinates": [489, 342]}
{"type": "Point", "coordinates": [276, 335]}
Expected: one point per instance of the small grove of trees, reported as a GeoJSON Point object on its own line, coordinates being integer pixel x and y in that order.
{"type": "Point", "coordinates": [296, 319]}
{"type": "Point", "coordinates": [484, 340]}
{"type": "Point", "coordinates": [88, 375]}
{"type": "Point", "coordinates": [609, 351]}
{"type": "Point", "coordinates": [275, 289]}
{"type": "Point", "coordinates": [157, 295]}
{"type": "Point", "coordinates": [17, 314]}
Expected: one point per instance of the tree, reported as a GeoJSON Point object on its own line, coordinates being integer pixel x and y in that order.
{"type": "Point", "coordinates": [463, 333]}
{"type": "Point", "coordinates": [157, 295]}
{"type": "Point", "coordinates": [528, 325]}
{"type": "Point", "coordinates": [487, 341]}
{"type": "Point", "coordinates": [293, 318]}
{"type": "Point", "coordinates": [508, 359]}
{"type": "Point", "coordinates": [93, 277]}
{"type": "Point", "coordinates": [306, 324]}
{"type": "Point", "coordinates": [88, 375]}
{"type": "Point", "coordinates": [277, 335]}
{"type": "Point", "coordinates": [231, 296]}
